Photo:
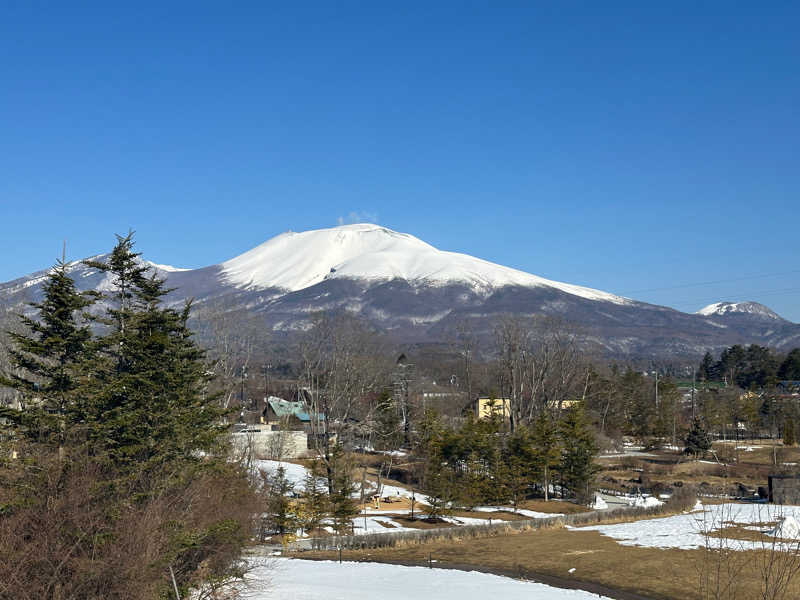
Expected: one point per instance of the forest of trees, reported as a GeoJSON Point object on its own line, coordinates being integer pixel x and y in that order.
{"type": "Point", "coordinates": [751, 366]}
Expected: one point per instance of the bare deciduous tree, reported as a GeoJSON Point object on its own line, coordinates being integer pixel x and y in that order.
{"type": "Point", "coordinates": [342, 364]}
{"type": "Point", "coordinates": [540, 366]}
{"type": "Point", "coordinates": [231, 338]}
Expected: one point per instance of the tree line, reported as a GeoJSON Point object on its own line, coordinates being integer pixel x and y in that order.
{"type": "Point", "coordinates": [750, 366]}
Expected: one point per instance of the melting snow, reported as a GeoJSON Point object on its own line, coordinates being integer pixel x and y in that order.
{"type": "Point", "coordinates": [292, 579]}
{"type": "Point", "coordinates": [599, 503]}
{"type": "Point", "coordinates": [532, 514]}
{"type": "Point", "coordinates": [686, 530]}
{"type": "Point", "coordinates": [787, 528]}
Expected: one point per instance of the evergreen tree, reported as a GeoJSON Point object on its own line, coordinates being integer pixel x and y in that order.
{"type": "Point", "coordinates": [546, 450]}
{"type": "Point", "coordinates": [790, 367]}
{"type": "Point", "coordinates": [280, 516]}
{"type": "Point", "coordinates": [343, 507]}
{"type": "Point", "coordinates": [706, 371]}
{"type": "Point", "coordinates": [151, 441]}
{"type": "Point", "coordinates": [518, 467]}
{"type": "Point", "coordinates": [475, 460]}
{"type": "Point", "coordinates": [314, 502]}
{"type": "Point", "coordinates": [789, 438]}
{"type": "Point", "coordinates": [148, 398]}
{"type": "Point", "coordinates": [48, 359]}
{"type": "Point", "coordinates": [577, 467]}
{"type": "Point", "coordinates": [440, 490]}
{"type": "Point", "coordinates": [697, 442]}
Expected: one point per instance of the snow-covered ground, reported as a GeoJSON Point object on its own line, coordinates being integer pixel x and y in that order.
{"type": "Point", "coordinates": [373, 525]}
{"type": "Point", "coordinates": [531, 514]}
{"type": "Point", "coordinates": [686, 530]}
{"type": "Point", "coordinates": [296, 474]}
{"type": "Point", "coordinates": [291, 579]}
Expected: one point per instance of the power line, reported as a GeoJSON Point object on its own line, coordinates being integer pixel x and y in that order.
{"type": "Point", "coordinates": [738, 297]}
{"type": "Point", "coordinates": [702, 283]}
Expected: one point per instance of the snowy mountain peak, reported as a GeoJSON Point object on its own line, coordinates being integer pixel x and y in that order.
{"type": "Point", "coordinates": [729, 308]}
{"type": "Point", "coordinates": [294, 261]}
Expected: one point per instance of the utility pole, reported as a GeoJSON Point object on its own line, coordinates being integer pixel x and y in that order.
{"type": "Point", "coordinates": [656, 388]}
{"type": "Point", "coordinates": [244, 376]}
{"type": "Point", "coordinates": [266, 369]}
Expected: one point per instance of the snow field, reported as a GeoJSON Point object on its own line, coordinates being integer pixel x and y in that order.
{"type": "Point", "coordinates": [292, 579]}
{"type": "Point", "coordinates": [686, 530]}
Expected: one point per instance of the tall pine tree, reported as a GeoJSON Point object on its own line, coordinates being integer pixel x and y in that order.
{"type": "Point", "coordinates": [580, 449]}
{"type": "Point", "coordinates": [149, 399]}
{"type": "Point", "coordinates": [547, 450]}
{"type": "Point", "coordinates": [48, 360]}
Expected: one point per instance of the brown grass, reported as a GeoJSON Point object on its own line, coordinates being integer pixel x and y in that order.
{"type": "Point", "coordinates": [657, 573]}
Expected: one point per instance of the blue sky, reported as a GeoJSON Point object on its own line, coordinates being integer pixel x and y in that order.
{"type": "Point", "coordinates": [648, 149]}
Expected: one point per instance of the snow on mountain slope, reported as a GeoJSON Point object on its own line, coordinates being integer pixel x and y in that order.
{"type": "Point", "coordinates": [165, 268]}
{"type": "Point", "coordinates": [727, 308]}
{"type": "Point", "coordinates": [294, 261]}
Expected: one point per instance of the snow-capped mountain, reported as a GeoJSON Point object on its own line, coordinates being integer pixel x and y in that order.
{"type": "Point", "coordinates": [295, 261]}
{"type": "Point", "coordinates": [419, 293]}
{"type": "Point", "coordinates": [722, 309]}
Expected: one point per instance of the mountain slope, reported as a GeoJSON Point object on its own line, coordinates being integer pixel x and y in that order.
{"type": "Point", "coordinates": [418, 293]}
{"type": "Point", "coordinates": [295, 261]}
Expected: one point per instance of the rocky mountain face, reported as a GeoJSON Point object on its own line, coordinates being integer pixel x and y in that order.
{"type": "Point", "coordinates": [418, 293]}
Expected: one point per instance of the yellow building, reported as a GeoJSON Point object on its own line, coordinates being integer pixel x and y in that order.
{"type": "Point", "coordinates": [486, 408]}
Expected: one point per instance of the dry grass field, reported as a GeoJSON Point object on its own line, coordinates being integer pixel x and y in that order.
{"type": "Point", "coordinates": [660, 574]}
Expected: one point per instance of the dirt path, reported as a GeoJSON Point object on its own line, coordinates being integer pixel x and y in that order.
{"type": "Point", "coordinates": [524, 574]}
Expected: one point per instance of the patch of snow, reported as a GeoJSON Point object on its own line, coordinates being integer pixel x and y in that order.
{"type": "Point", "coordinates": [645, 502]}
{"type": "Point", "coordinates": [687, 530]}
{"type": "Point", "coordinates": [467, 521]}
{"type": "Point", "coordinates": [296, 474]}
{"type": "Point", "coordinates": [599, 503]}
{"type": "Point", "coordinates": [531, 514]}
{"type": "Point", "coordinates": [165, 268]}
{"type": "Point", "coordinates": [372, 524]}
{"type": "Point", "coordinates": [293, 579]}
{"type": "Point", "coordinates": [788, 528]}
{"type": "Point", "coordinates": [294, 261]}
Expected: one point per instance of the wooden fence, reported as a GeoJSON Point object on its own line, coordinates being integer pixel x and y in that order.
{"type": "Point", "coordinates": [386, 540]}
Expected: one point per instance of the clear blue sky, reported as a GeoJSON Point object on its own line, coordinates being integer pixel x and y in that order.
{"type": "Point", "coordinates": [633, 147]}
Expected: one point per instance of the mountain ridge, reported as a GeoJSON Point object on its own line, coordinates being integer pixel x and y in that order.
{"type": "Point", "coordinates": [410, 289]}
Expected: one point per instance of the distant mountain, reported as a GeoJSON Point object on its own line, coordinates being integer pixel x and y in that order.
{"type": "Point", "coordinates": [751, 309]}
{"type": "Point", "coordinates": [416, 292]}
